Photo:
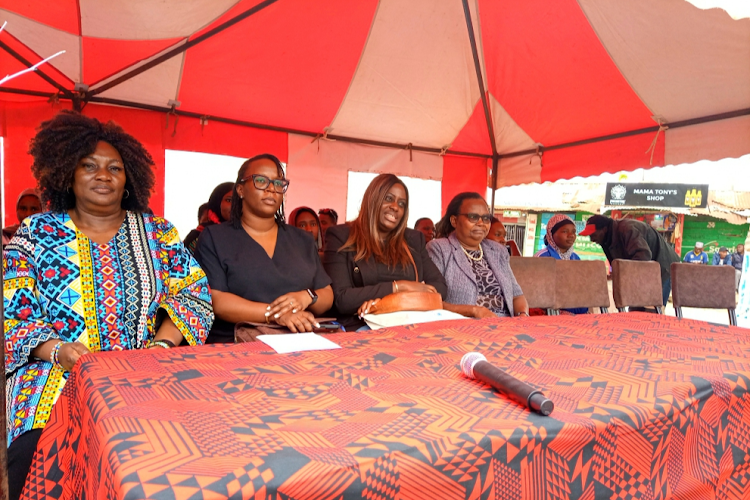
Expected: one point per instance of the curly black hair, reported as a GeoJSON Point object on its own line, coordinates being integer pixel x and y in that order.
{"type": "Point", "coordinates": [62, 141]}
{"type": "Point", "coordinates": [235, 216]}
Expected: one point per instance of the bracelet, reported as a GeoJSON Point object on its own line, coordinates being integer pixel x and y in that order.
{"type": "Point", "coordinates": [54, 354]}
{"type": "Point", "coordinates": [163, 343]}
{"type": "Point", "coordinates": [395, 285]}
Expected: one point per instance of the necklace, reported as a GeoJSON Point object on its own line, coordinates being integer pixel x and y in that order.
{"type": "Point", "coordinates": [475, 259]}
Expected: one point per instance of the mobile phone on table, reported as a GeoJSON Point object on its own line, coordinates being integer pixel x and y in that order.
{"type": "Point", "coordinates": [328, 327]}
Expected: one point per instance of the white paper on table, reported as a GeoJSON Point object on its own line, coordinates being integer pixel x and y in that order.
{"type": "Point", "coordinates": [377, 321]}
{"type": "Point", "coordinates": [285, 343]}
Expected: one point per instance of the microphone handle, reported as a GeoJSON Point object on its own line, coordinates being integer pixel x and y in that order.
{"type": "Point", "coordinates": [516, 390]}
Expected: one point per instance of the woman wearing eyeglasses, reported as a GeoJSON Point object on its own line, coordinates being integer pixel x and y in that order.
{"type": "Point", "coordinates": [376, 254]}
{"type": "Point", "coordinates": [260, 269]}
{"type": "Point", "coordinates": [477, 270]}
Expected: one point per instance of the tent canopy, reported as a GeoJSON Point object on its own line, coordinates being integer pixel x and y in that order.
{"type": "Point", "coordinates": [548, 90]}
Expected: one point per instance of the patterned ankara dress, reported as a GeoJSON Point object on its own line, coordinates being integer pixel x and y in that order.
{"type": "Point", "coordinates": [60, 285]}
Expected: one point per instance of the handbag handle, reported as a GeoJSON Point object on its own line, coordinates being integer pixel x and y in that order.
{"type": "Point", "coordinates": [411, 258]}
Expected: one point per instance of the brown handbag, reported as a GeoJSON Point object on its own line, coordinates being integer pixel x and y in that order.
{"type": "Point", "coordinates": [246, 331]}
{"type": "Point", "coordinates": [408, 301]}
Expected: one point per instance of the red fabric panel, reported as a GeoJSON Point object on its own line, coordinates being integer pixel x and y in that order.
{"type": "Point", "coordinates": [147, 127]}
{"type": "Point", "coordinates": [288, 65]}
{"type": "Point", "coordinates": [474, 136]}
{"type": "Point", "coordinates": [19, 124]}
{"type": "Point", "coordinates": [104, 57]}
{"type": "Point", "coordinates": [547, 68]}
{"type": "Point", "coordinates": [461, 173]}
{"type": "Point", "coordinates": [627, 153]}
{"type": "Point", "coordinates": [223, 138]}
{"type": "Point", "coordinates": [60, 14]}
{"type": "Point", "coordinates": [29, 81]}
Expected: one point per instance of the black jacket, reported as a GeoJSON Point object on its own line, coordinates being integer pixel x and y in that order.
{"type": "Point", "coordinates": [354, 282]}
{"type": "Point", "coordinates": [636, 240]}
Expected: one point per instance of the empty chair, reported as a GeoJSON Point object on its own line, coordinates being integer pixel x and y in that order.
{"type": "Point", "coordinates": [581, 283]}
{"type": "Point", "coordinates": [708, 287]}
{"type": "Point", "coordinates": [636, 283]}
{"type": "Point", "coordinates": [536, 277]}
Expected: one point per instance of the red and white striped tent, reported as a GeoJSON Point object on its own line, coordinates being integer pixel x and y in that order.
{"type": "Point", "coordinates": [441, 89]}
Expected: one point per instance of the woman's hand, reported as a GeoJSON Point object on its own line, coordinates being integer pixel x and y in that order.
{"type": "Point", "coordinates": [414, 286]}
{"type": "Point", "coordinates": [301, 321]}
{"type": "Point", "coordinates": [289, 302]}
{"type": "Point", "coordinates": [366, 306]}
{"type": "Point", "coordinates": [69, 354]}
{"type": "Point", "coordinates": [482, 312]}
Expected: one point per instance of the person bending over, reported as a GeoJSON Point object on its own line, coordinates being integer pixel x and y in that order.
{"type": "Point", "coordinates": [376, 254]}
{"type": "Point", "coordinates": [477, 270]}
{"type": "Point", "coordinates": [219, 205]}
{"type": "Point", "coordinates": [559, 241]}
{"type": "Point", "coordinates": [95, 273]}
{"type": "Point", "coordinates": [261, 269]}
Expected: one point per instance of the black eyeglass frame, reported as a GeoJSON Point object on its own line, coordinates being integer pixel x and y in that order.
{"type": "Point", "coordinates": [486, 218]}
{"type": "Point", "coordinates": [284, 183]}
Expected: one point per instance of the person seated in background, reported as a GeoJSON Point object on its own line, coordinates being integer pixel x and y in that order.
{"type": "Point", "coordinates": [376, 254]}
{"type": "Point", "coordinates": [697, 256]}
{"type": "Point", "coordinates": [306, 219]}
{"type": "Point", "coordinates": [738, 258]}
{"type": "Point", "coordinates": [260, 269]}
{"type": "Point", "coordinates": [95, 273]}
{"type": "Point", "coordinates": [327, 218]}
{"type": "Point", "coordinates": [426, 227]}
{"type": "Point", "coordinates": [722, 258]}
{"type": "Point", "coordinates": [480, 281]}
{"type": "Point", "coordinates": [28, 203]}
{"type": "Point", "coordinates": [559, 241]}
{"type": "Point", "coordinates": [497, 231]}
{"type": "Point", "coordinates": [219, 205]}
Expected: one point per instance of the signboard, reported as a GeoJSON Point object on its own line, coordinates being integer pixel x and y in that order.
{"type": "Point", "coordinates": [528, 244]}
{"type": "Point", "coordinates": [625, 194]}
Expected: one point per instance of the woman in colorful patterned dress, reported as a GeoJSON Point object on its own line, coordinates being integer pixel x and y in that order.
{"type": "Point", "coordinates": [95, 273]}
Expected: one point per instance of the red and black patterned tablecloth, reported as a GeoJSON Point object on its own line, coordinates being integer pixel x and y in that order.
{"type": "Point", "coordinates": [646, 407]}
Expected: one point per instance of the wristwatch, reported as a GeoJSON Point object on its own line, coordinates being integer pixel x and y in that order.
{"type": "Point", "coordinates": [313, 296]}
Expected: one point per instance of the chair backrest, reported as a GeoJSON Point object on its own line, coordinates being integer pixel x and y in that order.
{"type": "Point", "coordinates": [536, 277]}
{"type": "Point", "coordinates": [514, 251]}
{"type": "Point", "coordinates": [581, 283]}
{"type": "Point", "coordinates": [709, 287]}
{"type": "Point", "coordinates": [636, 283]}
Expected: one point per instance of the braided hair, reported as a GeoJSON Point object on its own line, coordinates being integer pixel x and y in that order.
{"type": "Point", "coordinates": [235, 216]}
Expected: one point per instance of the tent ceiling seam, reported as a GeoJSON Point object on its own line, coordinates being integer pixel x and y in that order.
{"type": "Point", "coordinates": [178, 50]}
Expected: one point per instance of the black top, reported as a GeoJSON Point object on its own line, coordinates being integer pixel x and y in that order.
{"type": "Point", "coordinates": [235, 263]}
{"type": "Point", "coordinates": [354, 282]}
{"type": "Point", "coordinates": [635, 240]}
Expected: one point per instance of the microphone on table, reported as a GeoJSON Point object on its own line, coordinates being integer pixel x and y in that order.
{"type": "Point", "coordinates": [475, 365]}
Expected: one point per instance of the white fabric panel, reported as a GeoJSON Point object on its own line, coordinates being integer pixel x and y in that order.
{"type": "Point", "coordinates": [509, 137]}
{"type": "Point", "coordinates": [46, 41]}
{"type": "Point", "coordinates": [708, 141]}
{"type": "Point", "coordinates": [156, 86]}
{"type": "Point", "coordinates": [683, 62]}
{"type": "Point", "coordinates": [324, 166]}
{"type": "Point", "coordinates": [416, 80]}
{"type": "Point", "coordinates": [147, 19]}
{"type": "Point", "coordinates": [519, 170]}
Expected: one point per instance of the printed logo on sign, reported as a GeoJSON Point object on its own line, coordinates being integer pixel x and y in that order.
{"type": "Point", "coordinates": [693, 197]}
{"type": "Point", "coordinates": [617, 194]}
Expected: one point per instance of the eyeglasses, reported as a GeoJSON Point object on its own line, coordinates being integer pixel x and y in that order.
{"type": "Point", "coordinates": [261, 182]}
{"type": "Point", "coordinates": [474, 218]}
{"type": "Point", "coordinates": [328, 211]}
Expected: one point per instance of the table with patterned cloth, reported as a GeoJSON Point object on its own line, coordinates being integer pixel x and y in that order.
{"type": "Point", "coordinates": [646, 407]}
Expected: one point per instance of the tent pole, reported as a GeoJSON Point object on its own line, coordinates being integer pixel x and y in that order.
{"type": "Point", "coordinates": [480, 77]}
{"type": "Point", "coordinates": [44, 76]}
{"type": "Point", "coordinates": [495, 166]}
{"type": "Point", "coordinates": [182, 48]}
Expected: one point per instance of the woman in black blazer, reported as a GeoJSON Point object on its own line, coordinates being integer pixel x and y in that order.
{"type": "Point", "coordinates": [376, 254]}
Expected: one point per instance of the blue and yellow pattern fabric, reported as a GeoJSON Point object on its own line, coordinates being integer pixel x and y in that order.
{"type": "Point", "coordinates": [58, 284]}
